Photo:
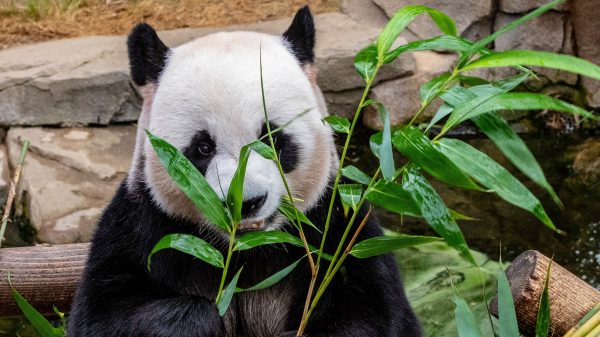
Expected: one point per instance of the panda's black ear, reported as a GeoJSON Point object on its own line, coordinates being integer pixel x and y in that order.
{"type": "Point", "coordinates": [147, 54]}
{"type": "Point", "coordinates": [301, 36]}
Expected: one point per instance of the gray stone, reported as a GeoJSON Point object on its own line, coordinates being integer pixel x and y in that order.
{"type": "Point", "coordinates": [4, 175]}
{"type": "Point", "coordinates": [522, 6]}
{"type": "Point", "coordinates": [39, 85]}
{"type": "Point", "coordinates": [465, 13]}
{"type": "Point", "coordinates": [586, 166]}
{"type": "Point", "coordinates": [546, 33]}
{"type": "Point", "coordinates": [343, 103]}
{"type": "Point", "coordinates": [365, 11]}
{"type": "Point", "coordinates": [585, 15]}
{"type": "Point", "coordinates": [69, 176]}
{"type": "Point", "coordinates": [401, 96]}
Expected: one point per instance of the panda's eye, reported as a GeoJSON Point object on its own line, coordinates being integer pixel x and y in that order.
{"type": "Point", "coordinates": [205, 148]}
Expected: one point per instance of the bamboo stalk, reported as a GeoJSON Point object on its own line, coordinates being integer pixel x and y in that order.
{"type": "Point", "coordinates": [581, 322]}
{"type": "Point", "coordinates": [13, 190]}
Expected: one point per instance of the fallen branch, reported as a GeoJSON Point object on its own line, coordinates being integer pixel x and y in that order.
{"type": "Point", "coordinates": [13, 190]}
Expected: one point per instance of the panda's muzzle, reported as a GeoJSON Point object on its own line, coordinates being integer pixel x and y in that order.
{"type": "Point", "coordinates": [250, 208]}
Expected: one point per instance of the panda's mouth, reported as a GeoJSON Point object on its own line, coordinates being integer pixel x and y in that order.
{"type": "Point", "coordinates": [246, 226]}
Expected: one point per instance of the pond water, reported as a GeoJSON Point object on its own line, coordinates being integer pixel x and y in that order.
{"type": "Point", "coordinates": [505, 230]}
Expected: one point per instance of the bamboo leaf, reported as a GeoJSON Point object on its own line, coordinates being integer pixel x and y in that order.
{"type": "Point", "coordinates": [273, 279]}
{"type": "Point", "coordinates": [287, 210]}
{"type": "Point", "coordinates": [509, 326]}
{"type": "Point", "coordinates": [515, 149]}
{"type": "Point", "coordinates": [435, 212]}
{"type": "Point", "coordinates": [339, 124]}
{"type": "Point", "coordinates": [227, 294]}
{"type": "Point", "coordinates": [365, 62]}
{"type": "Point", "coordinates": [420, 150]}
{"type": "Point", "coordinates": [442, 42]}
{"type": "Point", "coordinates": [386, 157]}
{"type": "Point", "coordinates": [235, 194]}
{"type": "Point", "coordinates": [350, 194]}
{"type": "Point", "coordinates": [385, 244]}
{"type": "Point", "coordinates": [191, 182]}
{"type": "Point", "coordinates": [39, 322]}
{"type": "Point", "coordinates": [393, 197]}
{"type": "Point", "coordinates": [402, 18]}
{"type": "Point", "coordinates": [495, 177]}
{"type": "Point", "coordinates": [471, 107]}
{"type": "Point", "coordinates": [355, 174]}
{"type": "Point", "coordinates": [191, 245]}
{"type": "Point", "coordinates": [443, 111]}
{"type": "Point", "coordinates": [466, 322]}
{"type": "Point", "coordinates": [263, 150]}
{"type": "Point", "coordinates": [427, 91]}
{"type": "Point", "coordinates": [542, 325]}
{"type": "Point", "coordinates": [537, 58]}
{"type": "Point", "coordinates": [260, 238]}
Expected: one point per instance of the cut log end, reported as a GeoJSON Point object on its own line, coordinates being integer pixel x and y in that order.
{"type": "Point", "coordinates": [570, 297]}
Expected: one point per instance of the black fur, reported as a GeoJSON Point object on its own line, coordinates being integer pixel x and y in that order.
{"type": "Point", "coordinates": [118, 296]}
{"type": "Point", "coordinates": [147, 54]}
{"type": "Point", "coordinates": [285, 146]}
{"type": "Point", "coordinates": [301, 36]}
{"type": "Point", "coordinates": [193, 153]}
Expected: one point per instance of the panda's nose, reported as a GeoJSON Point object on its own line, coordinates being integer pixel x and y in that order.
{"type": "Point", "coordinates": [252, 205]}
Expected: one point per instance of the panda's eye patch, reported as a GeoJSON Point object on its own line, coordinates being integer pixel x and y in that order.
{"type": "Point", "coordinates": [200, 150]}
{"type": "Point", "coordinates": [286, 148]}
{"type": "Point", "coordinates": [206, 148]}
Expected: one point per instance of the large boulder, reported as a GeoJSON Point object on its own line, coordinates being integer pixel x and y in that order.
{"type": "Point", "coordinates": [40, 86]}
{"type": "Point", "coordinates": [523, 6]}
{"type": "Point", "coordinates": [69, 176]}
{"type": "Point", "coordinates": [465, 13]}
{"type": "Point", "coordinates": [585, 15]}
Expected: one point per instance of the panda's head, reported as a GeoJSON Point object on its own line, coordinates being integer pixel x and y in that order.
{"type": "Point", "coordinates": [204, 97]}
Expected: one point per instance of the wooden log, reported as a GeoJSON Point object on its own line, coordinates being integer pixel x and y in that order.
{"type": "Point", "coordinates": [45, 275]}
{"type": "Point", "coordinates": [570, 297]}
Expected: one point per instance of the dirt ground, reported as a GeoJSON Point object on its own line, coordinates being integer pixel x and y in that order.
{"type": "Point", "coordinates": [27, 21]}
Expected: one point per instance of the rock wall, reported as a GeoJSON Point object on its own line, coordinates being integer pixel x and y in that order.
{"type": "Point", "coordinates": [66, 96]}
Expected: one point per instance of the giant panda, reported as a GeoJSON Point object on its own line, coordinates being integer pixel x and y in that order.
{"type": "Point", "coordinates": [204, 97]}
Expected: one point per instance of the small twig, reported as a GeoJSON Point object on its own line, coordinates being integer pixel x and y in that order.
{"type": "Point", "coordinates": [13, 190]}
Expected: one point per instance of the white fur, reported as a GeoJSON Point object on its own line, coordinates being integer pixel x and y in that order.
{"type": "Point", "coordinates": [213, 84]}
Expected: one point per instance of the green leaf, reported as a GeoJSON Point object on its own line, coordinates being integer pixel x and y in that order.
{"type": "Point", "coordinates": [191, 245]}
{"type": "Point", "coordinates": [484, 93]}
{"type": "Point", "coordinates": [287, 210]}
{"type": "Point", "coordinates": [488, 39]}
{"type": "Point", "coordinates": [273, 279]}
{"type": "Point", "coordinates": [385, 244]}
{"type": "Point", "coordinates": [393, 197]}
{"type": "Point", "coordinates": [227, 294]}
{"type": "Point", "coordinates": [466, 322]}
{"type": "Point", "coordinates": [191, 182]}
{"type": "Point", "coordinates": [402, 18]}
{"type": "Point", "coordinates": [515, 149]}
{"type": "Point", "coordinates": [365, 62]}
{"type": "Point", "coordinates": [386, 157]}
{"type": "Point", "coordinates": [509, 326]}
{"type": "Point", "coordinates": [528, 101]}
{"type": "Point", "coordinates": [263, 149]}
{"type": "Point", "coordinates": [435, 212]}
{"type": "Point", "coordinates": [350, 194]}
{"type": "Point", "coordinates": [493, 176]}
{"type": "Point", "coordinates": [443, 111]}
{"type": "Point", "coordinates": [260, 238]}
{"type": "Point", "coordinates": [420, 150]}
{"type": "Point", "coordinates": [443, 42]}
{"type": "Point", "coordinates": [542, 324]}
{"type": "Point", "coordinates": [39, 323]}
{"type": "Point", "coordinates": [235, 195]}
{"type": "Point", "coordinates": [537, 58]}
{"type": "Point", "coordinates": [355, 174]}
{"type": "Point", "coordinates": [339, 124]}
{"type": "Point", "coordinates": [429, 89]}
{"type": "Point", "coordinates": [375, 143]}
